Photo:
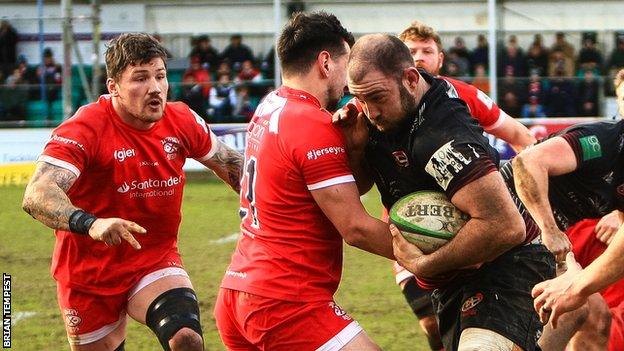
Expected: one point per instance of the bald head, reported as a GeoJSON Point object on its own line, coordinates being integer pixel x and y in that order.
{"type": "Point", "coordinates": [381, 52]}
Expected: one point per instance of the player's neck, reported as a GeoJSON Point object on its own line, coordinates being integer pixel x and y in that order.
{"type": "Point", "coordinates": [127, 118]}
{"type": "Point", "coordinates": [421, 89]}
{"type": "Point", "coordinates": [309, 85]}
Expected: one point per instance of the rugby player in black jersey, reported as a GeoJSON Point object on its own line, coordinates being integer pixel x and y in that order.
{"type": "Point", "coordinates": [419, 136]}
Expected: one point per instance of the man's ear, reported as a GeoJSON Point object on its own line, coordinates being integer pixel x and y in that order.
{"type": "Point", "coordinates": [411, 78]}
{"type": "Point", "coordinates": [112, 87]}
{"type": "Point", "coordinates": [441, 61]}
{"type": "Point", "coordinates": [322, 62]}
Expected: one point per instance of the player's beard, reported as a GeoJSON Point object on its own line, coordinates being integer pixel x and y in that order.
{"type": "Point", "coordinates": [408, 108]}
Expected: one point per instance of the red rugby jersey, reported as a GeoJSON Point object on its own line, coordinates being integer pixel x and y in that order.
{"type": "Point", "coordinates": [289, 249]}
{"type": "Point", "coordinates": [480, 106]}
{"type": "Point", "coordinates": [127, 173]}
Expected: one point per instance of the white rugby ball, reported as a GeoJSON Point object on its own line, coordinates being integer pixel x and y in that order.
{"type": "Point", "coordinates": [427, 219]}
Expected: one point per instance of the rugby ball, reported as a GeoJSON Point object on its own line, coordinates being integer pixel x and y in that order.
{"type": "Point", "coordinates": [427, 219]}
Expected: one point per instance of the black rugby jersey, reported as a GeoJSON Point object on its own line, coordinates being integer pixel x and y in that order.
{"type": "Point", "coordinates": [441, 148]}
{"type": "Point", "coordinates": [596, 187]}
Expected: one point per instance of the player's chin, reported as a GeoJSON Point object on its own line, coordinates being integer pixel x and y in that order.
{"type": "Point", "coordinates": [153, 115]}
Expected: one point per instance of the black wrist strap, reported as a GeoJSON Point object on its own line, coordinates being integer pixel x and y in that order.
{"type": "Point", "coordinates": [80, 222]}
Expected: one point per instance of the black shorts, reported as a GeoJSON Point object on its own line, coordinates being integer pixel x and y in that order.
{"type": "Point", "coordinates": [496, 297]}
{"type": "Point", "coordinates": [418, 298]}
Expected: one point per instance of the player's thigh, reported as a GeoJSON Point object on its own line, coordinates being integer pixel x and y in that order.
{"type": "Point", "coordinates": [477, 339]}
{"type": "Point", "coordinates": [109, 342]}
{"type": "Point", "coordinates": [143, 298]}
{"type": "Point", "coordinates": [361, 342]}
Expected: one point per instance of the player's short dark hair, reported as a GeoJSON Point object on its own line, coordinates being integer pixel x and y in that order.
{"type": "Point", "coordinates": [305, 36]}
{"type": "Point", "coordinates": [131, 49]}
{"type": "Point", "coordinates": [382, 52]}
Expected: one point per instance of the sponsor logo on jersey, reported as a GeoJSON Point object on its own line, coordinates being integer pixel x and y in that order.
{"type": "Point", "coordinates": [318, 153]}
{"type": "Point", "coordinates": [154, 187]}
{"type": "Point", "coordinates": [470, 303]}
{"type": "Point", "coordinates": [72, 319]}
{"type": "Point", "coordinates": [64, 140]}
{"type": "Point", "coordinates": [446, 163]}
{"type": "Point", "coordinates": [149, 163]}
{"type": "Point", "coordinates": [400, 157]}
{"type": "Point", "coordinates": [123, 154]}
{"type": "Point", "coordinates": [236, 274]}
{"type": "Point", "coordinates": [171, 145]}
{"type": "Point", "coordinates": [124, 188]}
{"type": "Point", "coordinates": [590, 145]}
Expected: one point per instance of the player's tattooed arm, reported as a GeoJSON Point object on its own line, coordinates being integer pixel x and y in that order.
{"type": "Point", "coordinates": [227, 164]}
{"type": "Point", "coordinates": [46, 198]}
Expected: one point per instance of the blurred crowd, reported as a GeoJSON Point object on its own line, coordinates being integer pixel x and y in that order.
{"type": "Point", "coordinates": [227, 85]}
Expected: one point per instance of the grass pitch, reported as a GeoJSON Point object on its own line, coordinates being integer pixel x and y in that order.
{"type": "Point", "coordinates": [367, 290]}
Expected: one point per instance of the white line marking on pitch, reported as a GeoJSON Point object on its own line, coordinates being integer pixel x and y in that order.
{"type": "Point", "coordinates": [18, 316]}
{"type": "Point", "coordinates": [226, 239]}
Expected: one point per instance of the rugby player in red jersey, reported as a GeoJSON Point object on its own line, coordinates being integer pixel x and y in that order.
{"type": "Point", "coordinates": [299, 201]}
{"type": "Point", "coordinates": [110, 182]}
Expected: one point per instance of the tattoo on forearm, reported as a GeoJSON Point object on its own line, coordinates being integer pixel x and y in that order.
{"type": "Point", "coordinates": [228, 165]}
{"type": "Point", "coordinates": [45, 198]}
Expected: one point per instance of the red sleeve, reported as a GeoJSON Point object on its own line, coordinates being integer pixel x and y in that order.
{"type": "Point", "coordinates": [482, 108]}
{"type": "Point", "coordinates": [318, 149]}
{"type": "Point", "coordinates": [201, 140]}
{"type": "Point", "coordinates": [71, 144]}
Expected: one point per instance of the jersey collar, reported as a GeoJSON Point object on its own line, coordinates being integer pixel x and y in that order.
{"type": "Point", "coordinates": [290, 93]}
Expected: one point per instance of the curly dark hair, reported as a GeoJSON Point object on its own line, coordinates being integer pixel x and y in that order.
{"type": "Point", "coordinates": [305, 36]}
{"type": "Point", "coordinates": [131, 49]}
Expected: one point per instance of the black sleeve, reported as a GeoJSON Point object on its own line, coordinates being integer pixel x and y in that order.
{"type": "Point", "coordinates": [595, 145]}
{"type": "Point", "coordinates": [456, 153]}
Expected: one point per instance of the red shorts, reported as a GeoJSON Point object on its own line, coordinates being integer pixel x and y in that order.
{"type": "Point", "coordinates": [616, 337]}
{"type": "Point", "coordinates": [587, 248]}
{"type": "Point", "coordinates": [90, 317]}
{"type": "Point", "coordinates": [251, 322]}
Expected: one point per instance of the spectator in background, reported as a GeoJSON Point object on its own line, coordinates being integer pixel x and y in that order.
{"type": "Point", "coordinates": [537, 56]}
{"type": "Point", "coordinates": [533, 109]}
{"type": "Point", "coordinates": [590, 58]}
{"type": "Point", "coordinates": [588, 95]}
{"type": "Point", "coordinates": [192, 95]}
{"type": "Point", "coordinates": [481, 80]}
{"type": "Point", "coordinates": [200, 75]}
{"type": "Point", "coordinates": [560, 65]}
{"type": "Point", "coordinates": [208, 56]}
{"type": "Point", "coordinates": [15, 95]}
{"type": "Point", "coordinates": [479, 55]}
{"type": "Point", "coordinates": [8, 44]}
{"type": "Point", "coordinates": [511, 93]}
{"type": "Point", "coordinates": [245, 107]}
{"type": "Point", "coordinates": [51, 75]}
{"type": "Point", "coordinates": [562, 45]}
{"type": "Point", "coordinates": [224, 69]}
{"type": "Point", "coordinates": [561, 96]}
{"type": "Point", "coordinates": [459, 53]}
{"type": "Point", "coordinates": [222, 99]}
{"type": "Point", "coordinates": [616, 59]}
{"type": "Point", "coordinates": [248, 73]}
{"type": "Point", "coordinates": [513, 56]}
{"type": "Point", "coordinates": [537, 87]}
{"type": "Point", "coordinates": [268, 65]}
{"type": "Point", "coordinates": [236, 53]}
